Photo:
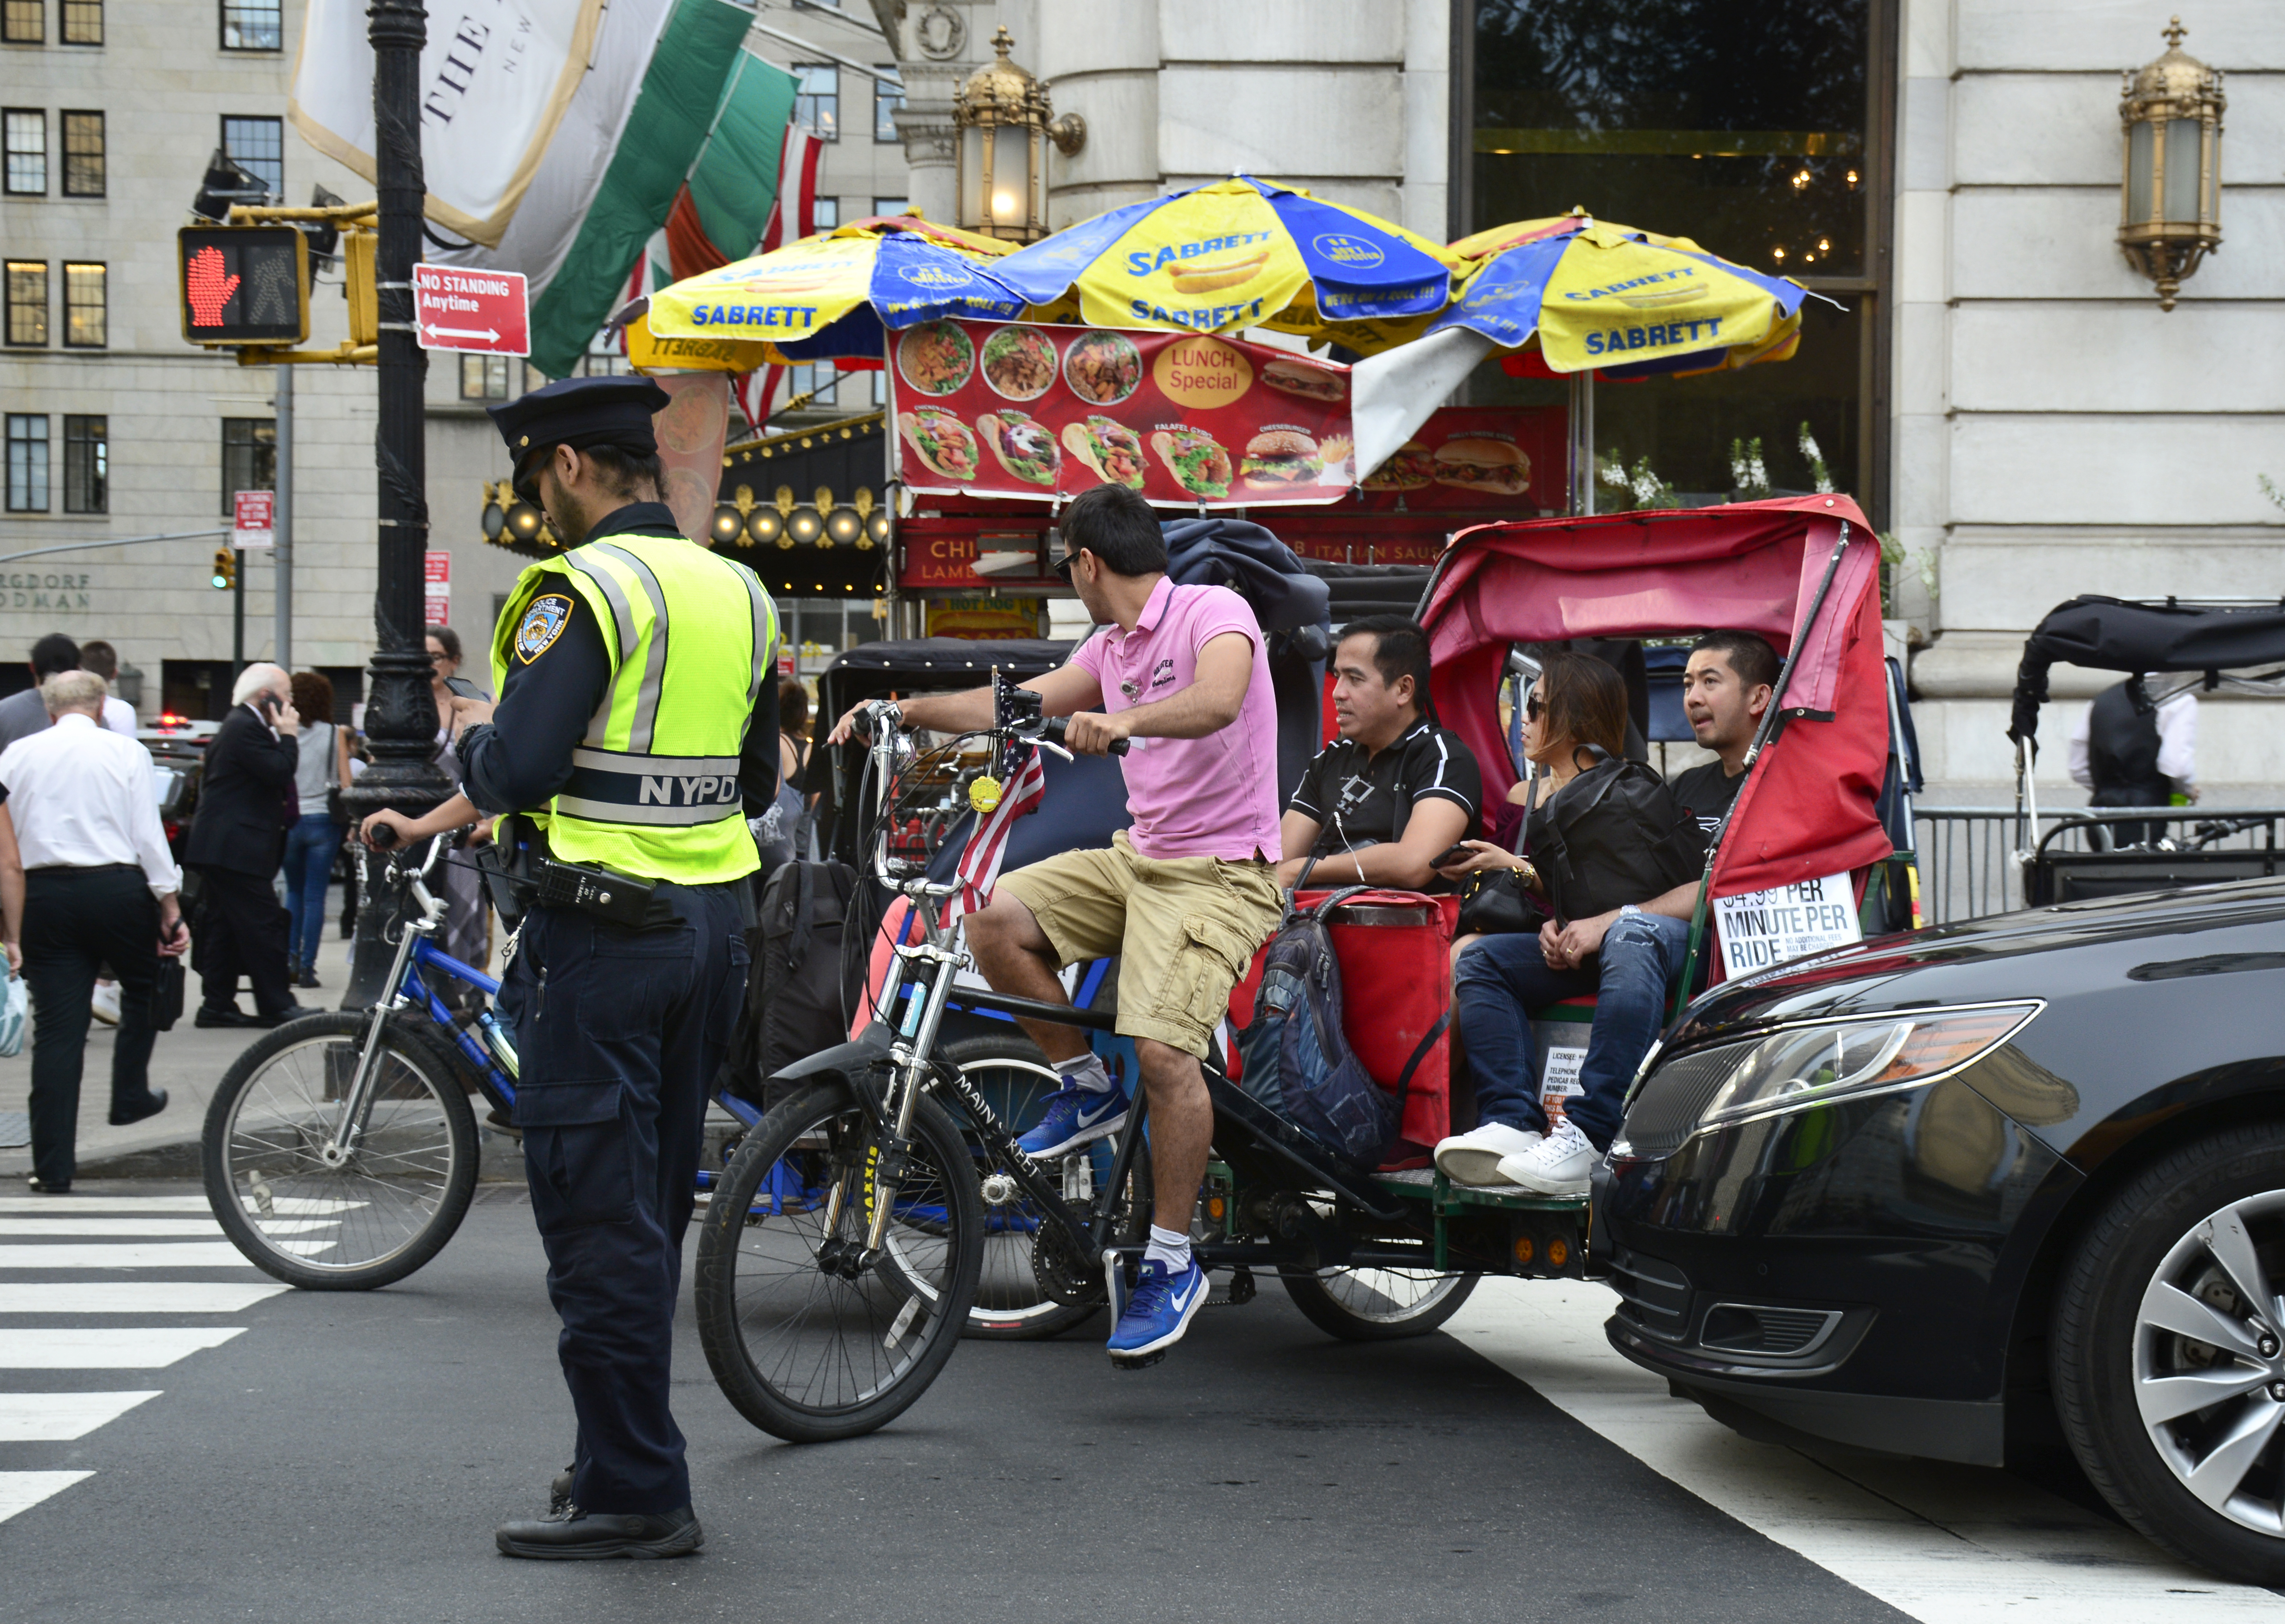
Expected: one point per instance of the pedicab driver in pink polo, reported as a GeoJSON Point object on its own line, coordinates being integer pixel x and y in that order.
{"type": "Point", "coordinates": [1185, 895]}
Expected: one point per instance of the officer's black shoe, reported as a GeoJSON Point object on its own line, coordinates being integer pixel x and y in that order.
{"type": "Point", "coordinates": [153, 1103]}
{"type": "Point", "coordinates": [231, 1016]}
{"type": "Point", "coordinates": [586, 1535]}
{"type": "Point", "coordinates": [559, 1493]}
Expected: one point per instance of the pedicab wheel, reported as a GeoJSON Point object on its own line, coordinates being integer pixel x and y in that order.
{"type": "Point", "coordinates": [1376, 1305]}
{"type": "Point", "coordinates": [807, 1335]}
{"type": "Point", "coordinates": [1011, 1306]}
{"type": "Point", "coordinates": [2167, 1355]}
{"type": "Point", "coordinates": [340, 1225]}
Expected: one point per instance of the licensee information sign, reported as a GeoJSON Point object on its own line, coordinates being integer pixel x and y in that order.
{"type": "Point", "coordinates": [1764, 928]}
{"type": "Point", "coordinates": [486, 311]}
{"type": "Point", "coordinates": [1560, 1080]}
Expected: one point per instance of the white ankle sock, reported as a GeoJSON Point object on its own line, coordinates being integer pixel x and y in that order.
{"type": "Point", "coordinates": [1084, 1071]}
{"type": "Point", "coordinates": [1170, 1247]}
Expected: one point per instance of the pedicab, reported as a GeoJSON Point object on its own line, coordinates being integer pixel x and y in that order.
{"type": "Point", "coordinates": [2162, 648]}
{"type": "Point", "coordinates": [840, 1257]}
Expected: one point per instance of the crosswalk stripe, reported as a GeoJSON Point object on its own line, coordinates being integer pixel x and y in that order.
{"type": "Point", "coordinates": [122, 1229]}
{"type": "Point", "coordinates": [55, 1417]}
{"type": "Point", "coordinates": [65, 1206]}
{"type": "Point", "coordinates": [158, 1254]}
{"type": "Point", "coordinates": [19, 1491]}
{"type": "Point", "coordinates": [1943, 1544]}
{"type": "Point", "coordinates": [109, 1347]}
{"type": "Point", "coordinates": [134, 1296]}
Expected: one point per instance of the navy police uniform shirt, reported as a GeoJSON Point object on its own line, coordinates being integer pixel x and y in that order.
{"type": "Point", "coordinates": [1356, 797]}
{"type": "Point", "coordinates": [558, 671]}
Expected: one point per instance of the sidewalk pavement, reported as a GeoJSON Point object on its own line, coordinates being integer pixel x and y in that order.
{"type": "Point", "coordinates": [188, 1062]}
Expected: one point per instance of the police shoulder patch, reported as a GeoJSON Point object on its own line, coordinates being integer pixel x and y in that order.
{"type": "Point", "coordinates": [543, 623]}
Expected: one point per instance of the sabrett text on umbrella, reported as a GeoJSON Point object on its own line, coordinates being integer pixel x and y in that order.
{"type": "Point", "coordinates": [1631, 283]}
{"type": "Point", "coordinates": [1657, 335]}
{"type": "Point", "coordinates": [1142, 262]}
{"type": "Point", "coordinates": [1208, 318]}
{"type": "Point", "coordinates": [753, 316]}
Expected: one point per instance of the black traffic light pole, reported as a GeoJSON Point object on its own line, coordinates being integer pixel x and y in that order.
{"type": "Point", "coordinates": [400, 714]}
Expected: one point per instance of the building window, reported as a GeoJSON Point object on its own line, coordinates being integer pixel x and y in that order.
{"type": "Point", "coordinates": [817, 100]}
{"type": "Point", "coordinates": [27, 150]}
{"type": "Point", "coordinates": [258, 145]}
{"type": "Point", "coordinates": [82, 22]}
{"type": "Point", "coordinates": [84, 154]}
{"type": "Point", "coordinates": [24, 22]}
{"type": "Point", "coordinates": [87, 305]}
{"type": "Point", "coordinates": [252, 24]}
{"type": "Point", "coordinates": [87, 465]}
{"type": "Point", "coordinates": [250, 457]}
{"type": "Point", "coordinates": [1769, 151]}
{"type": "Point", "coordinates": [824, 214]}
{"type": "Point", "coordinates": [484, 377]}
{"type": "Point", "coordinates": [890, 206]}
{"type": "Point", "coordinates": [27, 462]}
{"type": "Point", "coordinates": [28, 302]}
{"type": "Point", "coordinates": [888, 95]}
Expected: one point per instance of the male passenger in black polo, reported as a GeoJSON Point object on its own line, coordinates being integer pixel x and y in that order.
{"type": "Point", "coordinates": [1380, 804]}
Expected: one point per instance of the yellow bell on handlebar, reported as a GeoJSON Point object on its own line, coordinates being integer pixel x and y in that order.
{"type": "Point", "coordinates": [984, 793]}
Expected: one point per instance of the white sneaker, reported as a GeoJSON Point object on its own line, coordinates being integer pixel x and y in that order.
{"type": "Point", "coordinates": [1556, 1166]}
{"type": "Point", "coordinates": [1474, 1158]}
{"type": "Point", "coordinates": [106, 1002]}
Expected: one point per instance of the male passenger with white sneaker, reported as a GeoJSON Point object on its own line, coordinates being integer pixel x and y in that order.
{"type": "Point", "coordinates": [1184, 896]}
{"type": "Point", "coordinates": [1726, 689]}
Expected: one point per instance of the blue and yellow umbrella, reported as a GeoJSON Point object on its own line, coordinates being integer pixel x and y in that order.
{"type": "Point", "coordinates": [1236, 253]}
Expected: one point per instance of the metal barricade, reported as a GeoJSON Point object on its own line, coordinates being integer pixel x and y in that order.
{"type": "Point", "coordinates": [1971, 858]}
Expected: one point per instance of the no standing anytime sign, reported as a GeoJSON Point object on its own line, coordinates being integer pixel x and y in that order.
{"type": "Point", "coordinates": [481, 311]}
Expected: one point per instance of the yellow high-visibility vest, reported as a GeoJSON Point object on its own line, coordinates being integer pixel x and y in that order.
{"type": "Point", "coordinates": [654, 788]}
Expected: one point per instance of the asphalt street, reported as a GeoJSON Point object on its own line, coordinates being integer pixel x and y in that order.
{"type": "Point", "coordinates": [317, 1457]}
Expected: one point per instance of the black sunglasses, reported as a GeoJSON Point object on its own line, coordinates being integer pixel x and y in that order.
{"type": "Point", "coordinates": [1533, 707]}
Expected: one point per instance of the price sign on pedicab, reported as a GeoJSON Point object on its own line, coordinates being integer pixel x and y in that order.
{"type": "Point", "coordinates": [1764, 927]}
{"type": "Point", "coordinates": [1026, 410]}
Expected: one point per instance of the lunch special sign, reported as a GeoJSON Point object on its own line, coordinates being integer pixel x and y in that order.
{"type": "Point", "coordinates": [1028, 410]}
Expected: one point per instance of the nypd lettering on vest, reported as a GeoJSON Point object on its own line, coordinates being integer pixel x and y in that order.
{"type": "Point", "coordinates": [618, 787]}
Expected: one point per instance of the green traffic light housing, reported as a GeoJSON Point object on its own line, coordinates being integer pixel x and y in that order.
{"type": "Point", "coordinates": [225, 570]}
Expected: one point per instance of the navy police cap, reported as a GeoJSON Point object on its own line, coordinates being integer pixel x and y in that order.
{"type": "Point", "coordinates": [580, 412]}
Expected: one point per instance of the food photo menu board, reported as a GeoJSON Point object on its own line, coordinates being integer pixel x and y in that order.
{"type": "Point", "coordinates": [1023, 409]}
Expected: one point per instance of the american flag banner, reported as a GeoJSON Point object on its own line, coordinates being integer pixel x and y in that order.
{"type": "Point", "coordinates": [987, 847]}
{"type": "Point", "coordinates": [792, 217]}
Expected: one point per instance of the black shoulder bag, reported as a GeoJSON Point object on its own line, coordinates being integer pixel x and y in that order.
{"type": "Point", "coordinates": [1494, 901]}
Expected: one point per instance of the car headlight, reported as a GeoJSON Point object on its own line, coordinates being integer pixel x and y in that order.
{"type": "Point", "coordinates": [1796, 1068]}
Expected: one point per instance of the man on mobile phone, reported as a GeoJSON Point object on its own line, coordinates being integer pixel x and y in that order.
{"type": "Point", "coordinates": [237, 840]}
{"type": "Point", "coordinates": [1385, 803]}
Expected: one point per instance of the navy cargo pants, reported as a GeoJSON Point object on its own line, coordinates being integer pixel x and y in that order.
{"type": "Point", "coordinates": [619, 1033]}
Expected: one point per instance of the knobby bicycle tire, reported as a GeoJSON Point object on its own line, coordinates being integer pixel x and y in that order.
{"type": "Point", "coordinates": [832, 1356]}
{"type": "Point", "coordinates": [382, 1216]}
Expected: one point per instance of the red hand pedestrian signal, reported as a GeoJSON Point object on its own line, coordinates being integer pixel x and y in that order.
{"type": "Point", "coordinates": [207, 287]}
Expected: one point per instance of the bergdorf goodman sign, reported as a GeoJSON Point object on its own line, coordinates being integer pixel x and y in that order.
{"type": "Point", "coordinates": [30, 589]}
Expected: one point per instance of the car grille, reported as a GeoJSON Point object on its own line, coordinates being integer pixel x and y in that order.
{"type": "Point", "coordinates": [1654, 1296]}
{"type": "Point", "coordinates": [1755, 1328]}
{"type": "Point", "coordinates": [1673, 1098]}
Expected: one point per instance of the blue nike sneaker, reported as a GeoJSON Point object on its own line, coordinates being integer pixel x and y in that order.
{"type": "Point", "coordinates": [1075, 1117]}
{"type": "Point", "coordinates": [1158, 1311]}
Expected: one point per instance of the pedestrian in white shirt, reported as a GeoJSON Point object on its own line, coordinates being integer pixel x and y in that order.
{"type": "Point", "coordinates": [81, 805]}
{"type": "Point", "coordinates": [101, 658]}
{"type": "Point", "coordinates": [2129, 754]}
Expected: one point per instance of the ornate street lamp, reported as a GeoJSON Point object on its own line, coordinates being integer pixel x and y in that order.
{"type": "Point", "coordinates": [2170, 214]}
{"type": "Point", "coordinates": [1002, 118]}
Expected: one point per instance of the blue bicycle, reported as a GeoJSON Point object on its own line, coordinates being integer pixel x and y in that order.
{"type": "Point", "coordinates": [340, 1149]}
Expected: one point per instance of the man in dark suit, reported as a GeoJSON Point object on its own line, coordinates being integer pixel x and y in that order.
{"type": "Point", "coordinates": [238, 838]}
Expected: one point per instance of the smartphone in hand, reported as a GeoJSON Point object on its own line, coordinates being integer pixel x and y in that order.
{"type": "Point", "coordinates": [1459, 852]}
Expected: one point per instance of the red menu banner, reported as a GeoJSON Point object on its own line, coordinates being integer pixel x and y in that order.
{"type": "Point", "coordinates": [1016, 409]}
{"type": "Point", "coordinates": [1505, 461]}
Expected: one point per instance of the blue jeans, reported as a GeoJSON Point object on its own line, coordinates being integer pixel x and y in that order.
{"type": "Point", "coordinates": [1501, 978]}
{"type": "Point", "coordinates": [309, 847]}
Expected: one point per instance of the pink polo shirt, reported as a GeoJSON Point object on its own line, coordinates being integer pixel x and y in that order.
{"type": "Point", "coordinates": [1215, 797]}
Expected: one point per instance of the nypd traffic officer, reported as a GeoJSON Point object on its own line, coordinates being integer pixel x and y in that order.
{"type": "Point", "coordinates": [633, 756]}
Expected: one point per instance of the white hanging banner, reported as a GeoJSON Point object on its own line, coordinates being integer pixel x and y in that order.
{"type": "Point", "coordinates": [495, 80]}
{"type": "Point", "coordinates": [1764, 927]}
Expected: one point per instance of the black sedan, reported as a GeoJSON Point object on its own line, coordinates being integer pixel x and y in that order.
{"type": "Point", "coordinates": [1960, 1193]}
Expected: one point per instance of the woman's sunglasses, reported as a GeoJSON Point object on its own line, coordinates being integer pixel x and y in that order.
{"type": "Point", "coordinates": [1533, 707]}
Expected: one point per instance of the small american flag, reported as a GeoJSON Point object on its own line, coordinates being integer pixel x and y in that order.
{"type": "Point", "coordinates": [987, 847]}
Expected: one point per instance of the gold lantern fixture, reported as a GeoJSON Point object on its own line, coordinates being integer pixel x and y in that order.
{"type": "Point", "coordinates": [2170, 214]}
{"type": "Point", "coordinates": [1004, 122]}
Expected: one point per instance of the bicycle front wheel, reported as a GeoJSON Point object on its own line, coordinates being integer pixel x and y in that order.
{"type": "Point", "coordinates": [353, 1223]}
{"type": "Point", "coordinates": [808, 1336]}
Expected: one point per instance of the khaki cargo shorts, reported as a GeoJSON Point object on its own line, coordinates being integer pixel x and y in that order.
{"type": "Point", "coordinates": [1186, 930]}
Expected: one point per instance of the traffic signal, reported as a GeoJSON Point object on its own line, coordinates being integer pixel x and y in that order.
{"type": "Point", "coordinates": [225, 570]}
{"type": "Point", "coordinates": [243, 284]}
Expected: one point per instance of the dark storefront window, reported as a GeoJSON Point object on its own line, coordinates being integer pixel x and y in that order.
{"type": "Point", "coordinates": [1757, 127]}
{"type": "Point", "coordinates": [249, 458]}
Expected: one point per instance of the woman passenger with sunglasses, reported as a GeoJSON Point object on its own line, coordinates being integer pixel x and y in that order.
{"type": "Point", "coordinates": [1626, 958]}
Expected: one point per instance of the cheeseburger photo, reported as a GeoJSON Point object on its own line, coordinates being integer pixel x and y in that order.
{"type": "Point", "coordinates": [1476, 463]}
{"type": "Point", "coordinates": [1278, 458]}
{"type": "Point", "coordinates": [1309, 381]}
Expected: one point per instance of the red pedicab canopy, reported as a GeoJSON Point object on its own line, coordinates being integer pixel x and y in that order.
{"type": "Point", "coordinates": [1807, 811]}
